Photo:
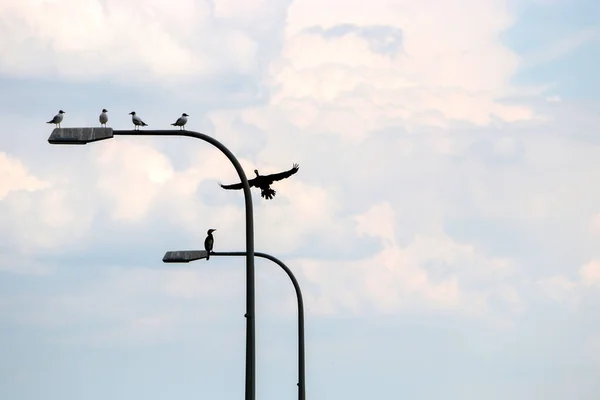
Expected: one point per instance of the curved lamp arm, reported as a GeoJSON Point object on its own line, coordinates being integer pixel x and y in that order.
{"type": "Point", "coordinates": [88, 135]}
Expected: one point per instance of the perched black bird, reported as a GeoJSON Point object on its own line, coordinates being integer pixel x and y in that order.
{"type": "Point", "coordinates": [264, 182]}
{"type": "Point", "coordinates": [208, 243]}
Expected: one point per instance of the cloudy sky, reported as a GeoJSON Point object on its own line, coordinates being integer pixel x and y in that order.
{"type": "Point", "coordinates": [444, 224]}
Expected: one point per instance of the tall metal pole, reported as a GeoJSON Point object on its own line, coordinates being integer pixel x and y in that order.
{"type": "Point", "coordinates": [301, 358]}
{"type": "Point", "coordinates": [250, 320]}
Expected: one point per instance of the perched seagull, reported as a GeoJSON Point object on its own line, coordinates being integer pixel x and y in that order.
{"type": "Point", "coordinates": [103, 118]}
{"type": "Point", "coordinates": [137, 121]}
{"type": "Point", "coordinates": [209, 242]}
{"type": "Point", "coordinates": [181, 121]}
{"type": "Point", "coordinates": [57, 118]}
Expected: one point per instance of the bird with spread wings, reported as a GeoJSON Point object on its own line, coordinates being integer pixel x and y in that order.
{"type": "Point", "coordinates": [264, 182]}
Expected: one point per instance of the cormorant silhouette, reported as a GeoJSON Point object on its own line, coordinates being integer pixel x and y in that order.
{"type": "Point", "coordinates": [264, 182]}
{"type": "Point", "coordinates": [209, 242]}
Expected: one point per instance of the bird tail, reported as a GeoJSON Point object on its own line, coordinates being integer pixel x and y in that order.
{"type": "Point", "coordinates": [50, 122]}
{"type": "Point", "coordinates": [173, 124]}
{"type": "Point", "coordinates": [207, 255]}
{"type": "Point", "coordinates": [267, 194]}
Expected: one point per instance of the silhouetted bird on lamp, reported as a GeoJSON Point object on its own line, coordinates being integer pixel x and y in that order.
{"type": "Point", "coordinates": [181, 121]}
{"type": "Point", "coordinates": [57, 119]}
{"type": "Point", "coordinates": [209, 242]}
{"type": "Point", "coordinates": [264, 182]}
{"type": "Point", "coordinates": [137, 121]}
{"type": "Point", "coordinates": [103, 118]}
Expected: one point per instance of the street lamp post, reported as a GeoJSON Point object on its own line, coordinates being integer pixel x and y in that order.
{"type": "Point", "coordinates": [88, 135]}
{"type": "Point", "coordinates": [186, 256]}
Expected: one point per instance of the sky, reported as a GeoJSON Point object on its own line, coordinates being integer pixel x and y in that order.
{"type": "Point", "coordinates": [444, 224]}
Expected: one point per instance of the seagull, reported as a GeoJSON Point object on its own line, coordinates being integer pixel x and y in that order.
{"type": "Point", "coordinates": [264, 182]}
{"type": "Point", "coordinates": [103, 118]}
{"type": "Point", "coordinates": [57, 119]}
{"type": "Point", "coordinates": [208, 243]}
{"type": "Point", "coordinates": [137, 121]}
{"type": "Point", "coordinates": [181, 121]}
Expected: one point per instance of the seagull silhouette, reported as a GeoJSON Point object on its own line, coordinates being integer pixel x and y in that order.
{"type": "Point", "coordinates": [137, 121]}
{"type": "Point", "coordinates": [57, 119]}
{"type": "Point", "coordinates": [181, 121]}
{"type": "Point", "coordinates": [103, 118]}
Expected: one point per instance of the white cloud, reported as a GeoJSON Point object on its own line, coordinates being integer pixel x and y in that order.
{"type": "Point", "coordinates": [554, 99]}
{"type": "Point", "coordinates": [244, 10]}
{"type": "Point", "coordinates": [14, 177]}
{"type": "Point", "coordinates": [378, 221]}
{"type": "Point", "coordinates": [426, 202]}
{"type": "Point", "coordinates": [131, 176]}
{"type": "Point", "coordinates": [595, 223]}
{"type": "Point", "coordinates": [399, 66]}
{"type": "Point", "coordinates": [133, 40]}
{"type": "Point", "coordinates": [590, 273]}
{"type": "Point", "coordinates": [399, 278]}
{"type": "Point", "coordinates": [48, 219]}
{"type": "Point", "coordinates": [384, 203]}
{"type": "Point", "coordinates": [36, 213]}
{"type": "Point", "coordinates": [559, 288]}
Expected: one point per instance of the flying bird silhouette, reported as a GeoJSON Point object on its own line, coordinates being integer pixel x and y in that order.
{"type": "Point", "coordinates": [264, 182]}
{"type": "Point", "coordinates": [181, 121]}
{"type": "Point", "coordinates": [57, 119]}
{"type": "Point", "coordinates": [137, 121]}
{"type": "Point", "coordinates": [209, 242]}
{"type": "Point", "coordinates": [103, 118]}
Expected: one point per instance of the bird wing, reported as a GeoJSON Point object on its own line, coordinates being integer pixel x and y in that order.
{"type": "Point", "coordinates": [282, 175]}
{"type": "Point", "coordinates": [235, 186]}
{"type": "Point", "coordinates": [138, 121]}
